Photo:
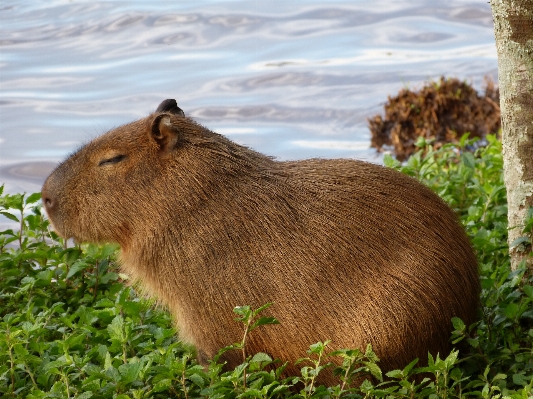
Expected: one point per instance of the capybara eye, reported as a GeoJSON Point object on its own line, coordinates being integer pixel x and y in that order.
{"type": "Point", "coordinates": [113, 160]}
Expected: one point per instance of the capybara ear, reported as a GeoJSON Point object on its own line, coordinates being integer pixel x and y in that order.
{"type": "Point", "coordinates": [164, 133]}
{"type": "Point", "coordinates": [170, 105]}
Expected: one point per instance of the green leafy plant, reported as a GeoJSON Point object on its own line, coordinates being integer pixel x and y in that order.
{"type": "Point", "coordinates": [72, 327]}
{"type": "Point", "coordinates": [499, 353]}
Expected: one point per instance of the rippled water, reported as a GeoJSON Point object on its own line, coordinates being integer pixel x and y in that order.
{"type": "Point", "coordinates": [291, 79]}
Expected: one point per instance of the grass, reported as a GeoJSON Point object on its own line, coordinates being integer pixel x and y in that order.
{"type": "Point", "coordinates": [71, 327]}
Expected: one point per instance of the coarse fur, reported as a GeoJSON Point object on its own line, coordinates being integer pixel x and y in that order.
{"type": "Point", "coordinates": [347, 251]}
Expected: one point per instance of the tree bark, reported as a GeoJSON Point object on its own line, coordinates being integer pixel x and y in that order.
{"type": "Point", "coordinates": [513, 30]}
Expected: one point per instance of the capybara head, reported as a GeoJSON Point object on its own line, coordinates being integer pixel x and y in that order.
{"type": "Point", "coordinates": [345, 250]}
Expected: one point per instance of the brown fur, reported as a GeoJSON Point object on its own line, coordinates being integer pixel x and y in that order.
{"type": "Point", "coordinates": [346, 250]}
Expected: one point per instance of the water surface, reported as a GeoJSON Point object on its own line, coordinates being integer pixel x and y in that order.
{"type": "Point", "coordinates": [291, 79]}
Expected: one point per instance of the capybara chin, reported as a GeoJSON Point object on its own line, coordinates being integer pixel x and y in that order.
{"type": "Point", "coordinates": [346, 250]}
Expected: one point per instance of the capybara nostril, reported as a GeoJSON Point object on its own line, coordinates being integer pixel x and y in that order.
{"type": "Point", "coordinates": [47, 198]}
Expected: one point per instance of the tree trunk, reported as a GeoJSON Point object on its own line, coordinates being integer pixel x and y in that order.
{"type": "Point", "coordinates": [513, 29]}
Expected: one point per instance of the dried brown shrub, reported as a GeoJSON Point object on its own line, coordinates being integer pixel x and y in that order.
{"type": "Point", "coordinates": [443, 111]}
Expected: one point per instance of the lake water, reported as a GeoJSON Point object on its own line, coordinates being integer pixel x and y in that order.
{"type": "Point", "coordinates": [293, 79]}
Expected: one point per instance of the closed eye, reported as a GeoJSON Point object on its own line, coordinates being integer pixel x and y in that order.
{"type": "Point", "coordinates": [111, 161]}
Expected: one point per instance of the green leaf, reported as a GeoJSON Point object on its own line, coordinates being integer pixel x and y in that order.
{"type": "Point", "coordinates": [75, 339]}
{"type": "Point", "coordinates": [130, 371]}
{"type": "Point", "coordinates": [487, 283]}
{"type": "Point", "coordinates": [366, 386]}
{"type": "Point", "coordinates": [458, 324]}
{"type": "Point", "coordinates": [76, 268]}
{"type": "Point", "coordinates": [71, 255]}
{"type": "Point", "coordinates": [518, 241]}
{"type": "Point", "coordinates": [103, 266]}
{"type": "Point", "coordinates": [113, 374]}
{"type": "Point", "coordinates": [528, 289]}
{"type": "Point", "coordinates": [261, 357]}
{"type": "Point", "coordinates": [408, 368]}
{"type": "Point", "coordinates": [116, 329]}
{"type": "Point", "coordinates": [318, 347]}
{"type": "Point", "coordinates": [45, 276]}
{"type": "Point", "coordinates": [398, 374]}
{"type": "Point", "coordinates": [33, 198]}
{"type": "Point", "coordinates": [511, 310]}
{"type": "Point", "coordinates": [132, 309]}
{"type": "Point", "coordinates": [374, 370]}
{"type": "Point", "coordinates": [20, 351]}
{"type": "Point", "coordinates": [468, 159]}
{"type": "Point", "coordinates": [14, 201]}
{"type": "Point", "coordinates": [431, 361]}
{"type": "Point", "coordinates": [520, 379]}
{"type": "Point", "coordinates": [456, 374]}
{"type": "Point", "coordinates": [251, 393]}
{"type": "Point", "coordinates": [528, 227]}
{"type": "Point", "coordinates": [123, 296]}
{"type": "Point", "coordinates": [52, 367]}
{"type": "Point", "coordinates": [263, 321]}
{"type": "Point", "coordinates": [162, 385]}
{"type": "Point", "coordinates": [463, 140]}
{"type": "Point", "coordinates": [390, 162]}
{"type": "Point", "coordinates": [196, 379]}
{"type": "Point", "coordinates": [10, 216]}
{"type": "Point", "coordinates": [421, 142]}
{"type": "Point", "coordinates": [108, 250]}
{"type": "Point", "coordinates": [370, 354]}
{"type": "Point", "coordinates": [104, 303]}
{"type": "Point", "coordinates": [261, 308]}
{"type": "Point", "coordinates": [451, 359]}
{"type": "Point", "coordinates": [243, 311]}
{"type": "Point", "coordinates": [106, 278]}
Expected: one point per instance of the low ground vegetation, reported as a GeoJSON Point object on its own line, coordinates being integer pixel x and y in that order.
{"type": "Point", "coordinates": [71, 327]}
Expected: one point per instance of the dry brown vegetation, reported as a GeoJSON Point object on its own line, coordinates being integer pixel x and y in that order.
{"type": "Point", "coordinates": [443, 111]}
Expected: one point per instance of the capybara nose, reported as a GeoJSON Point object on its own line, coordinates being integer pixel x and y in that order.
{"type": "Point", "coordinates": [48, 201]}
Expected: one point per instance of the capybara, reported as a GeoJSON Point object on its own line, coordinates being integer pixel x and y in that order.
{"type": "Point", "coordinates": [346, 251]}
